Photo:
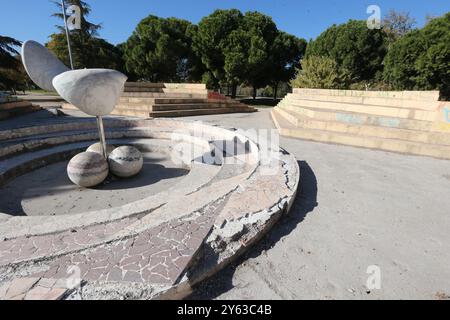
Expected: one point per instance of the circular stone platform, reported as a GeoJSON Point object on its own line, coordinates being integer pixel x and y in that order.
{"type": "Point", "coordinates": [140, 239]}
{"type": "Point", "coordinates": [49, 192]}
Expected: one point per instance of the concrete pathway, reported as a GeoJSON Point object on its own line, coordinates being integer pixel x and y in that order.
{"type": "Point", "coordinates": [357, 208]}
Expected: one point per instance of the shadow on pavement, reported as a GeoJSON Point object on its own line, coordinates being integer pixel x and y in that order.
{"type": "Point", "coordinates": [305, 203]}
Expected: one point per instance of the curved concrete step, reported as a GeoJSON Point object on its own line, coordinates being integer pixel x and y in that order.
{"type": "Point", "coordinates": [415, 95]}
{"type": "Point", "coordinates": [415, 114]}
{"type": "Point", "coordinates": [374, 101]}
{"type": "Point", "coordinates": [14, 105]}
{"type": "Point", "coordinates": [392, 145]}
{"type": "Point", "coordinates": [301, 121]}
{"type": "Point", "coordinates": [361, 118]}
{"type": "Point", "coordinates": [18, 111]}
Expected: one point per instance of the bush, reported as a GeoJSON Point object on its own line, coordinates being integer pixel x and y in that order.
{"type": "Point", "coordinates": [318, 72]}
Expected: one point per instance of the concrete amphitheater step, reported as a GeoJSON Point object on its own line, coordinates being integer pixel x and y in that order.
{"type": "Point", "coordinates": [301, 121]}
{"type": "Point", "coordinates": [415, 95]}
{"type": "Point", "coordinates": [376, 101]}
{"type": "Point", "coordinates": [179, 113]}
{"type": "Point", "coordinates": [286, 128]}
{"type": "Point", "coordinates": [14, 105]}
{"type": "Point", "coordinates": [152, 101]}
{"type": "Point", "coordinates": [415, 114]}
{"type": "Point", "coordinates": [191, 106]}
{"type": "Point", "coordinates": [362, 118]}
{"type": "Point", "coordinates": [163, 95]}
{"type": "Point", "coordinates": [200, 112]}
{"type": "Point", "coordinates": [170, 107]}
{"type": "Point", "coordinates": [9, 110]}
{"type": "Point", "coordinates": [165, 85]}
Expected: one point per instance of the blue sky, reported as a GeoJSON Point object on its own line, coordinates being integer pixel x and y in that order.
{"type": "Point", "coordinates": [30, 19]}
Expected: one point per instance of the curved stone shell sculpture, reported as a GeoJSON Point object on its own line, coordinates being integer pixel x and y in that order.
{"type": "Point", "coordinates": [93, 91]}
{"type": "Point", "coordinates": [41, 65]}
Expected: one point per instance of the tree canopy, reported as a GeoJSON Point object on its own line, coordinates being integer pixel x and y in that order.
{"type": "Point", "coordinates": [421, 59]}
{"type": "Point", "coordinates": [229, 48]}
{"type": "Point", "coordinates": [237, 48]}
{"type": "Point", "coordinates": [88, 50]}
{"type": "Point", "coordinates": [10, 65]}
{"type": "Point", "coordinates": [160, 50]}
{"type": "Point", "coordinates": [357, 50]}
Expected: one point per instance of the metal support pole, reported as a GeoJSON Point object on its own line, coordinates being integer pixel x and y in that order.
{"type": "Point", "coordinates": [101, 131]}
{"type": "Point", "coordinates": [63, 5]}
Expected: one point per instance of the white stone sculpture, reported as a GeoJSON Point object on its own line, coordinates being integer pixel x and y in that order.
{"type": "Point", "coordinates": [98, 148]}
{"type": "Point", "coordinates": [125, 162]}
{"type": "Point", "coordinates": [41, 65]}
{"type": "Point", "coordinates": [88, 169]}
{"type": "Point", "coordinates": [96, 92]}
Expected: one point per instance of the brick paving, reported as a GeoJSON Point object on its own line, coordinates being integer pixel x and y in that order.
{"type": "Point", "coordinates": [159, 255]}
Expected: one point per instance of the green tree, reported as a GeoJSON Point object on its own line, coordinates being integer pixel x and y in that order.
{"type": "Point", "coordinates": [260, 32]}
{"type": "Point", "coordinates": [9, 64]}
{"type": "Point", "coordinates": [14, 79]}
{"type": "Point", "coordinates": [90, 53]}
{"type": "Point", "coordinates": [88, 29]}
{"type": "Point", "coordinates": [213, 43]}
{"type": "Point", "coordinates": [286, 53]}
{"type": "Point", "coordinates": [318, 73]}
{"type": "Point", "coordinates": [357, 50]}
{"type": "Point", "coordinates": [160, 50]}
{"type": "Point", "coordinates": [421, 59]}
{"type": "Point", "coordinates": [400, 62]}
{"type": "Point", "coordinates": [8, 51]}
{"type": "Point", "coordinates": [88, 50]}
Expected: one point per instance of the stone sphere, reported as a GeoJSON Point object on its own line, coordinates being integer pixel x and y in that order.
{"type": "Point", "coordinates": [126, 162]}
{"type": "Point", "coordinates": [88, 169]}
{"type": "Point", "coordinates": [97, 148]}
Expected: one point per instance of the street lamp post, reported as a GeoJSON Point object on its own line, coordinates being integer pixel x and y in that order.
{"type": "Point", "coordinates": [63, 5]}
{"type": "Point", "coordinates": [101, 129]}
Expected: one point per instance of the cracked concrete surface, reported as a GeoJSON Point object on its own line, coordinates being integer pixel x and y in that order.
{"type": "Point", "coordinates": [151, 250]}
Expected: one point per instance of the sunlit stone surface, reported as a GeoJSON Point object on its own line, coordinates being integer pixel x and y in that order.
{"type": "Point", "coordinates": [126, 162]}
{"type": "Point", "coordinates": [41, 65]}
{"type": "Point", "coordinates": [87, 169]}
{"type": "Point", "coordinates": [96, 92]}
{"type": "Point", "coordinates": [97, 148]}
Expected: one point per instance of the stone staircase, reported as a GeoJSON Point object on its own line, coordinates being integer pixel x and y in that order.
{"type": "Point", "coordinates": [409, 122]}
{"type": "Point", "coordinates": [158, 100]}
{"type": "Point", "coordinates": [11, 106]}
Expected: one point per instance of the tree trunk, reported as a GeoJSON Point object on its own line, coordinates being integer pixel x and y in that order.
{"type": "Point", "coordinates": [255, 92]}
{"type": "Point", "coordinates": [233, 91]}
{"type": "Point", "coordinates": [275, 92]}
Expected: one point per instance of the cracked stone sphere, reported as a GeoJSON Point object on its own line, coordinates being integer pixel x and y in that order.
{"type": "Point", "coordinates": [97, 148]}
{"type": "Point", "coordinates": [126, 162]}
{"type": "Point", "coordinates": [88, 169]}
